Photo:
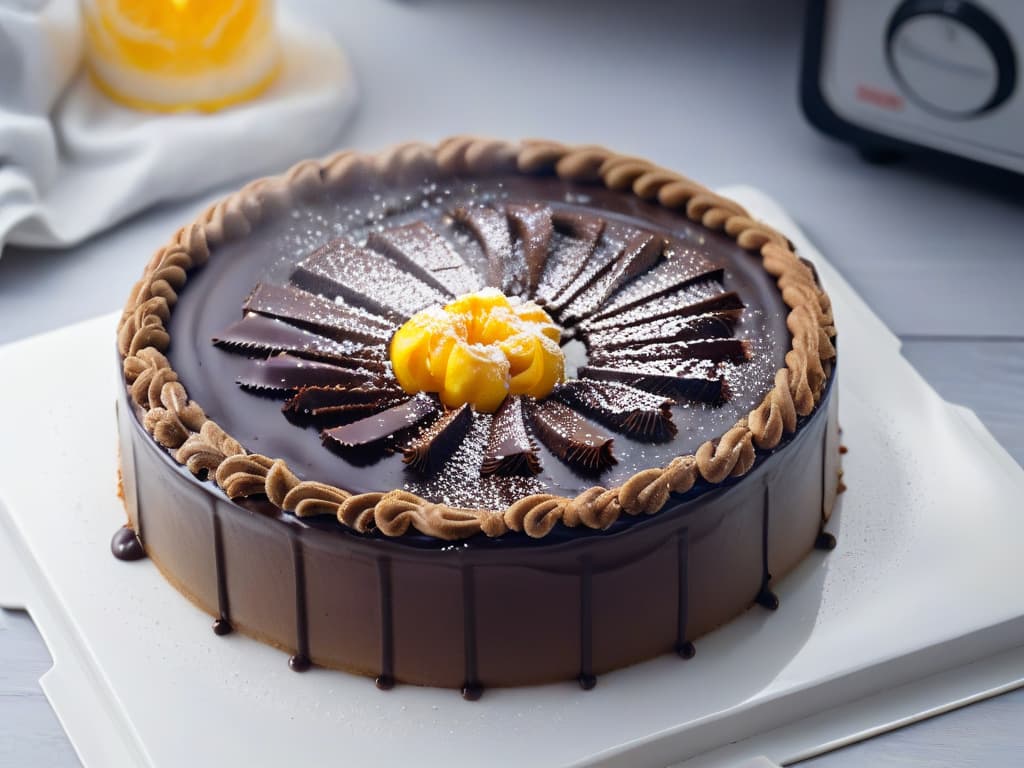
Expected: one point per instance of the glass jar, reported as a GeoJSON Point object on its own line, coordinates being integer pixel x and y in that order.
{"type": "Point", "coordinates": [177, 55]}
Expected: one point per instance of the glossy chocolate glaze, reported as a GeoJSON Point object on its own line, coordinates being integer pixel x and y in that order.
{"type": "Point", "coordinates": [213, 298]}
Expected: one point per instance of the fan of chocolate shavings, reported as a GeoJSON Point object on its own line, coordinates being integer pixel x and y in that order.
{"type": "Point", "coordinates": [652, 312]}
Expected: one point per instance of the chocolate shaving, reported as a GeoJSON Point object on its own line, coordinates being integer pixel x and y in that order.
{"type": "Point", "coordinates": [533, 228]}
{"type": "Point", "coordinates": [365, 278]}
{"type": "Point", "coordinates": [490, 228]}
{"type": "Point", "coordinates": [669, 329]}
{"type": "Point", "coordinates": [438, 442]}
{"type": "Point", "coordinates": [571, 250]}
{"type": "Point", "coordinates": [713, 350]}
{"type": "Point", "coordinates": [314, 313]}
{"type": "Point", "coordinates": [327, 406]}
{"type": "Point", "coordinates": [600, 260]}
{"type": "Point", "coordinates": [336, 415]}
{"type": "Point", "coordinates": [578, 224]}
{"type": "Point", "coordinates": [689, 381]}
{"type": "Point", "coordinates": [682, 266]}
{"type": "Point", "coordinates": [638, 254]}
{"type": "Point", "coordinates": [311, 398]}
{"type": "Point", "coordinates": [363, 441]}
{"type": "Point", "coordinates": [572, 438]}
{"type": "Point", "coordinates": [626, 409]}
{"type": "Point", "coordinates": [417, 248]}
{"type": "Point", "coordinates": [284, 373]}
{"type": "Point", "coordinates": [509, 449]}
{"type": "Point", "coordinates": [695, 300]}
{"type": "Point", "coordinates": [255, 335]}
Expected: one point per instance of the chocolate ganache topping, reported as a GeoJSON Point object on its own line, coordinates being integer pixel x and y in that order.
{"type": "Point", "coordinates": [516, 396]}
{"type": "Point", "coordinates": [320, 340]}
{"type": "Point", "coordinates": [662, 346]}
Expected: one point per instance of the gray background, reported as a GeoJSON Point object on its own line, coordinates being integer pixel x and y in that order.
{"type": "Point", "coordinates": [709, 89]}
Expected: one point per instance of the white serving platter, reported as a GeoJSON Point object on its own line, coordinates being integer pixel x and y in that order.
{"type": "Point", "coordinates": [919, 608]}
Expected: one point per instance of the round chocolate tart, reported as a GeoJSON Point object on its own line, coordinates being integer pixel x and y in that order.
{"type": "Point", "coordinates": [479, 414]}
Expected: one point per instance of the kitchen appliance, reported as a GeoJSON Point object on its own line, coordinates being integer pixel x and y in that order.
{"type": "Point", "coordinates": [940, 77]}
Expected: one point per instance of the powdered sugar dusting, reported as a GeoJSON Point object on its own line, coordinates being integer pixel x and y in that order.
{"type": "Point", "coordinates": [673, 302]}
{"type": "Point", "coordinates": [459, 483]}
{"type": "Point", "coordinates": [570, 260]}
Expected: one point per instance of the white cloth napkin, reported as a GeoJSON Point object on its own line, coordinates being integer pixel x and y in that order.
{"type": "Point", "coordinates": [73, 163]}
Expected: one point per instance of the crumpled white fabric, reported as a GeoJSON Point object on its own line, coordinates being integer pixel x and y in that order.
{"type": "Point", "coordinates": [73, 163]}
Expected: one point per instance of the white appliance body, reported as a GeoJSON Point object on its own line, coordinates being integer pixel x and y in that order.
{"type": "Point", "coordinates": [938, 75]}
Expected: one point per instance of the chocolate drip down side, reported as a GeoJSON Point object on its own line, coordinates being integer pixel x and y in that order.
{"type": "Point", "coordinates": [427, 452]}
{"type": "Point", "coordinates": [125, 545]}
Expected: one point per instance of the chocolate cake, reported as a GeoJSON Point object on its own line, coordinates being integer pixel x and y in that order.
{"type": "Point", "coordinates": [480, 414]}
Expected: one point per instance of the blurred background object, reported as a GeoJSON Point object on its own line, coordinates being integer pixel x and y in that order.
{"type": "Point", "coordinates": [74, 162]}
{"type": "Point", "coordinates": [932, 77]}
{"type": "Point", "coordinates": [174, 55]}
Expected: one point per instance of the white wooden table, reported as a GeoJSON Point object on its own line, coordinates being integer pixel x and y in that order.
{"type": "Point", "coordinates": [708, 89]}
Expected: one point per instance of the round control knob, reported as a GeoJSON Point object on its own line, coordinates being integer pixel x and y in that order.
{"type": "Point", "coordinates": [950, 57]}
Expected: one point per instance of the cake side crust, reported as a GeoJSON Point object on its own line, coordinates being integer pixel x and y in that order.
{"type": "Point", "coordinates": [476, 617]}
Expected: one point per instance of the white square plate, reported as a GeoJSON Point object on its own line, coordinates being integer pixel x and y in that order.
{"type": "Point", "coordinates": [918, 609]}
